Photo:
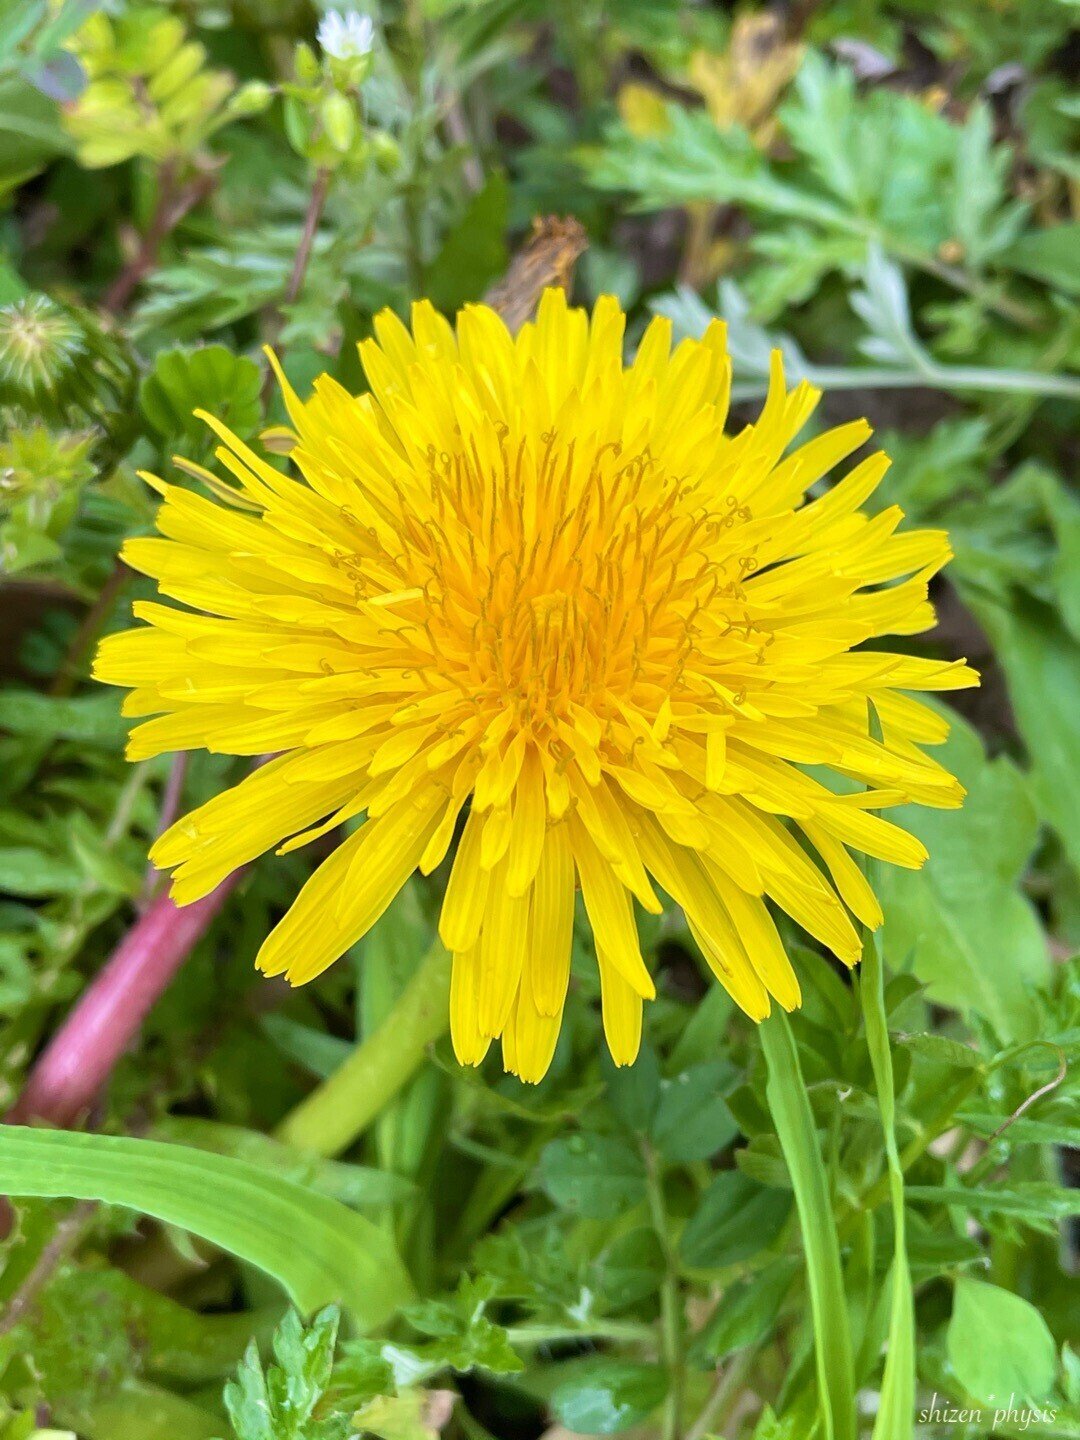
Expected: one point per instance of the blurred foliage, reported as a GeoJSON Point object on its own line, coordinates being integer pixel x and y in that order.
{"type": "Point", "coordinates": [890, 191]}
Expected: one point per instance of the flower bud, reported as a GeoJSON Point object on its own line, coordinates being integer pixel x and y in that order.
{"type": "Point", "coordinates": [339, 121]}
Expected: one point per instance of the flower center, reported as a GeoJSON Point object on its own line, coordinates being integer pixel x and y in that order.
{"type": "Point", "coordinates": [569, 584]}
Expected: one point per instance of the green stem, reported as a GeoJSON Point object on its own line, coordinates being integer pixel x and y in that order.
{"type": "Point", "coordinates": [670, 1301]}
{"type": "Point", "coordinates": [895, 1418]}
{"type": "Point", "coordinates": [931, 377]}
{"type": "Point", "coordinates": [344, 1105]}
{"type": "Point", "coordinates": [797, 1132]}
{"type": "Point", "coordinates": [525, 1336]}
{"type": "Point", "coordinates": [917, 1147]}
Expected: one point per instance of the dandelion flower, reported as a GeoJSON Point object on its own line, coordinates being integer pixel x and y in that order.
{"type": "Point", "coordinates": [536, 599]}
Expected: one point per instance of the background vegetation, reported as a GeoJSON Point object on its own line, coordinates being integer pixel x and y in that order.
{"type": "Point", "coordinates": [887, 190]}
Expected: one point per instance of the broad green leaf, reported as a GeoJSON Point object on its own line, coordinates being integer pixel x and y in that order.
{"type": "Point", "coordinates": [1033, 1202]}
{"type": "Point", "coordinates": [999, 1346]}
{"type": "Point", "coordinates": [630, 1269]}
{"type": "Point", "coordinates": [1042, 667]}
{"type": "Point", "coordinates": [361, 1186]}
{"type": "Point", "coordinates": [1051, 255]}
{"type": "Point", "coordinates": [607, 1395]}
{"type": "Point", "coordinates": [961, 921]}
{"type": "Point", "coordinates": [600, 1176]}
{"type": "Point", "coordinates": [692, 1122]}
{"type": "Point", "coordinates": [209, 377]}
{"type": "Point", "coordinates": [474, 252]}
{"type": "Point", "coordinates": [36, 874]}
{"type": "Point", "coordinates": [634, 1090]}
{"type": "Point", "coordinates": [30, 131]}
{"type": "Point", "coordinates": [747, 1311]}
{"type": "Point", "coordinates": [1025, 1131]}
{"type": "Point", "coordinates": [316, 1248]}
{"type": "Point", "coordinates": [942, 1051]}
{"type": "Point", "coordinates": [734, 1219]}
{"type": "Point", "coordinates": [94, 719]}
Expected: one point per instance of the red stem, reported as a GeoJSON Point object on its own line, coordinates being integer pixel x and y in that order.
{"type": "Point", "coordinates": [70, 1072]}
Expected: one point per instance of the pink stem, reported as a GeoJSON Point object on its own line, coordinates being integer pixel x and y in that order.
{"type": "Point", "coordinates": [70, 1072]}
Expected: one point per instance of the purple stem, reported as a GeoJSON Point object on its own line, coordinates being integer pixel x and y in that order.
{"type": "Point", "coordinates": [70, 1072]}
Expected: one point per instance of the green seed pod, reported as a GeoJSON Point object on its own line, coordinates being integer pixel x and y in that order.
{"type": "Point", "coordinates": [41, 348]}
{"type": "Point", "coordinates": [339, 121]}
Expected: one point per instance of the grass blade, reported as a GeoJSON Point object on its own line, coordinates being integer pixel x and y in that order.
{"type": "Point", "coordinates": [795, 1127]}
{"type": "Point", "coordinates": [315, 1247]}
{"type": "Point", "coordinates": [895, 1418]}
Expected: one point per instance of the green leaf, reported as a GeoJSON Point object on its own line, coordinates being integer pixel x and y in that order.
{"type": "Point", "coordinates": [1049, 255]}
{"type": "Point", "coordinates": [692, 1122]}
{"type": "Point", "coordinates": [999, 1346]}
{"type": "Point", "coordinates": [747, 1311]}
{"type": "Point", "coordinates": [1042, 667]}
{"type": "Point", "coordinates": [278, 1403]}
{"type": "Point", "coordinates": [208, 378]}
{"type": "Point", "coordinates": [630, 1269]}
{"type": "Point", "coordinates": [961, 921]}
{"type": "Point", "coordinates": [735, 1218]}
{"type": "Point", "coordinates": [1032, 1202]}
{"type": "Point", "coordinates": [359, 1185]}
{"type": "Point", "coordinates": [36, 874]}
{"type": "Point", "coordinates": [600, 1176]}
{"type": "Point", "coordinates": [607, 1395]}
{"type": "Point", "coordinates": [460, 1334]}
{"type": "Point", "coordinates": [94, 719]}
{"type": "Point", "coordinates": [981, 221]}
{"type": "Point", "coordinates": [1024, 1131]}
{"type": "Point", "coordinates": [249, 1212]}
{"type": "Point", "coordinates": [634, 1090]}
{"type": "Point", "coordinates": [940, 1050]}
{"type": "Point", "coordinates": [794, 1122]}
{"type": "Point", "coordinates": [474, 252]}
{"type": "Point", "coordinates": [30, 131]}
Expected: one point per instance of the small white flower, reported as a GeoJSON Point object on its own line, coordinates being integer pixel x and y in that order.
{"type": "Point", "coordinates": [346, 37]}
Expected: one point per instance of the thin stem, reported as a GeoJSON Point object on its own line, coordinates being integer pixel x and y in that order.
{"type": "Point", "coordinates": [670, 1300]}
{"type": "Point", "coordinates": [723, 1394]}
{"type": "Point", "coordinates": [319, 191]}
{"type": "Point", "coordinates": [344, 1105]}
{"type": "Point", "coordinates": [932, 377]}
{"type": "Point", "coordinates": [173, 204]}
{"type": "Point", "coordinates": [457, 128]}
{"type": "Point", "coordinates": [91, 626]}
{"type": "Point", "coordinates": [67, 1234]}
{"type": "Point", "coordinates": [528, 1335]}
{"type": "Point", "coordinates": [917, 1147]}
{"type": "Point", "coordinates": [171, 799]}
{"type": "Point", "coordinates": [70, 1072]}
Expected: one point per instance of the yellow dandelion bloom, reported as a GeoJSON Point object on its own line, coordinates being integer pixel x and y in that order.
{"type": "Point", "coordinates": [527, 592]}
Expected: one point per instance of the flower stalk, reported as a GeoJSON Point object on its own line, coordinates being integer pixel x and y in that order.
{"type": "Point", "coordinates": [336, 1112]}
{"type": "Point", "coordinates": [72, 1069]}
